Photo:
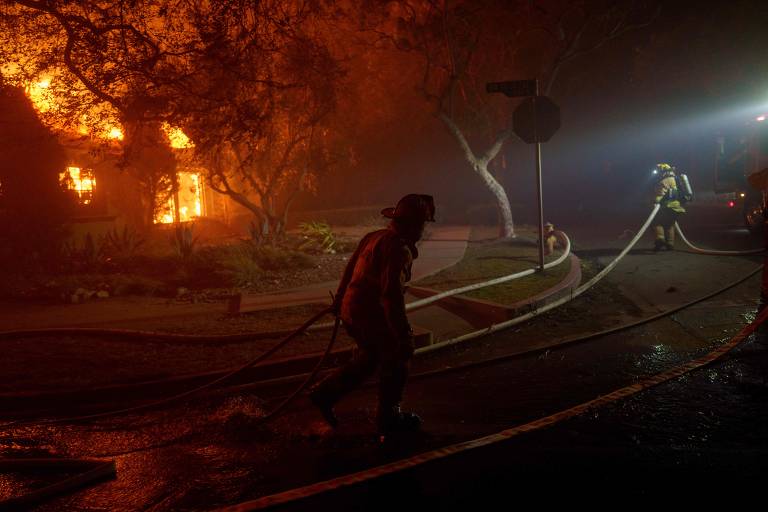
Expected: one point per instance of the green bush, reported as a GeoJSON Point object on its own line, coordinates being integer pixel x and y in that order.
{"type": "Point", "coordinates": [318, 236]}
{"type": "Point", "coordinates": [241, 268]}
{"type": "Point", "coordinates": [245, 264]}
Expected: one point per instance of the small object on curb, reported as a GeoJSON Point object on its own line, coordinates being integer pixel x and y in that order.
{"type": "Point", "coordinates": [233, 304]}
{"type": "Point", "coordinates": [550, 239]}
{"type": "Point", "coordinates": [671, 289]}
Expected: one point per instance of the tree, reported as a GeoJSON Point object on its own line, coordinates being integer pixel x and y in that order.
{"type": "Point", "coordinates": [232, 74]}
{"type": "Point", "coordinates": [255, 109]}
{"type": "Point", "coordinates": [151, 162]}
{"type": "Point", "coordinates": [33, 205]}
{"type": "Point", "coordinates": [463, 45]}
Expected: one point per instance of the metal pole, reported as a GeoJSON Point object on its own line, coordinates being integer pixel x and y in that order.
{"type": "Point", "coordinates": [538, 184]}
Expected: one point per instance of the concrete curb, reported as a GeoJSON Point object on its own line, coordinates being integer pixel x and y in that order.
{"type": "Point", "coordinates": [477, 312]}
{"type": "Point", "coordinates": [480, 313]}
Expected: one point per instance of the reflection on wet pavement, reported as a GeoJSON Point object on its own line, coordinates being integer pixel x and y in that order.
{"type": "Point", "coordinates": [213, 451]}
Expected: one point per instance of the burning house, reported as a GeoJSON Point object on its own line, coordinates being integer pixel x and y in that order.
{"type": "Point", "coordinates": [116, 178]}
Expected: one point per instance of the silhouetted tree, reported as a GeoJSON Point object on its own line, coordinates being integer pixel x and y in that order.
{"type": "Point", "coordinates": [34, 207]}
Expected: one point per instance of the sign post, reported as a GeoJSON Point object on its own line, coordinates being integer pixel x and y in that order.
{"type": "Point", "coordinates": [539, 195]}
{"type": "Point", "coordinates": [535, 120]}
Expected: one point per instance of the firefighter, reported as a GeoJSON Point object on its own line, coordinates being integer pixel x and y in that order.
{"type": "Point", "coordinates": [668, 196]}
{"type": "Point", "coordinates": [371, 304]}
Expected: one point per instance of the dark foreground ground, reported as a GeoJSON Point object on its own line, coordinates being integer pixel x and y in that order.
{"type": "Point", "coordinates": [702, 436]}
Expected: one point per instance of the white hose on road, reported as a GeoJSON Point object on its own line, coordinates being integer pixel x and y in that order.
{"type": "Point", "coordinates": [552, 305]}
{"type": "Point", "coordinates": [712, 252]}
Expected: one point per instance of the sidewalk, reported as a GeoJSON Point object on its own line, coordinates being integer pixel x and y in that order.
{"type": "Point", "coordinates": [445, 248]}
{"type": "Point", "coordinates": [453, 316]}
{"type": "Point", "coordinates": [445, 319]}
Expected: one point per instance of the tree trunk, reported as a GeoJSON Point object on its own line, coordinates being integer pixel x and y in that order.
{"type": "Point", "coordinates": [480, 166]}
{"type": "Point", "coordinates": [507, 226]}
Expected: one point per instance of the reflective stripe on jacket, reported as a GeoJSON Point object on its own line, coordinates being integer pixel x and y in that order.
{"type": "Point", "coordinates": [666, 193]}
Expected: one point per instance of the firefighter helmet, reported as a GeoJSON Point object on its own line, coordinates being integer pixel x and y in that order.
{"type": "Point", "coordinates": [418, 207]}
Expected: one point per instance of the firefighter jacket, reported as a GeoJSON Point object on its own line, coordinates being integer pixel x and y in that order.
{"type": "Point", "coordinates": [372, 290]}
{"type": "Point", "coordinates": [667, 194]}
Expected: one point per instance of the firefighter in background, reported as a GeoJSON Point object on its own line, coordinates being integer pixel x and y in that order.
{"type": "Point", "coordinates": [759, 181]}
{"type": "Point", "coordinates": [670, 197]}
{"type": "Point", "coordinates": [370, 301]}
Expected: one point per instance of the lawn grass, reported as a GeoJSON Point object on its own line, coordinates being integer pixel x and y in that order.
{"type": "Point", "coordinates": [485, 260]}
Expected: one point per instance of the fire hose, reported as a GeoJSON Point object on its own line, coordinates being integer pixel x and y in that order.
{"type": "Point", "coordinates": [303, 328]}
{"type": "Point", "coordinates": [713, 252]}
{"type": "Point", "coordinates": [92, 471]}
{"type": "Point", "coordinates": [110, 466]}
{"type": "Point", "coordinates": [290, 336]}
{"type": "Point", "coordinates": [503, 279]}
{"type": "Point", "coordinates": [209, 384]}
{"type": "Point", "coordinates": [548, 307]}
{"type": "Point", "coordinates": [247, 337]}
{"type": "Point", "coordinates": [459, 339]}
{"type": "Point", "coordinates": [98, 470]}
{"type": "Point", "coordinates": [288, 497]}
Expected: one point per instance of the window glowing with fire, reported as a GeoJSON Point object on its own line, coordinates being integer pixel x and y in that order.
{"type": "Point", "coordinates": [80, 181]}
{"type": "Point", "coordinates": [190, 204]}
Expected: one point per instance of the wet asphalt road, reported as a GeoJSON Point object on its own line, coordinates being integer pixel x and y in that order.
{"type": "Point", "coordinates": [706, 427]}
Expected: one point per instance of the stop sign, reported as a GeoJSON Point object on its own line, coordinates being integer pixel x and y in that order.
{"type": "Point", "coordinates": [536, 119]}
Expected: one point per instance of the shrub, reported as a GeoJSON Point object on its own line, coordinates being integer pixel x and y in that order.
{"type": "Point", "coordinates": [121, 244]}
{"type": "Point", "coordinates": [184, 242]}
{"type": "Point", "coordinates": [244, 265]}
{"type": "Point", "coordinates": [130, 284]}
{"type": "Point", "coordinates": [241, 268]}
{"type": "Point", "coordinates": [276, 258]}
{"type": "Point", "coordinates": [318, 236]}
{"type": "Point", "coordinates": [85, 257]}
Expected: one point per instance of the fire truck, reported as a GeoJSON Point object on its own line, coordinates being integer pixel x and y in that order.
{"type": "Point", "coordinates": [741, 152]}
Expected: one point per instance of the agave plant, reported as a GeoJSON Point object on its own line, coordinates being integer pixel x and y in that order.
{"type": "Point", "coordinates": [123, 243]}
{"type": "Point", "coordinates": [184, 242]}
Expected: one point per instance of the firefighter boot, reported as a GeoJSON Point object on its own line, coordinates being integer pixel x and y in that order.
{"type": "Point", "coordinates": [392, 419]}
{"type": "Point", "coordinates": [658, 245]}
{"type": "Point", "coordinates": [669, 241]}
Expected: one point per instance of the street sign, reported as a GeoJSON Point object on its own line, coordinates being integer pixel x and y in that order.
{"type": "Point", "coordinates": [536, 119]}
{"type": "Point", "coordinates": [514, 88]}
